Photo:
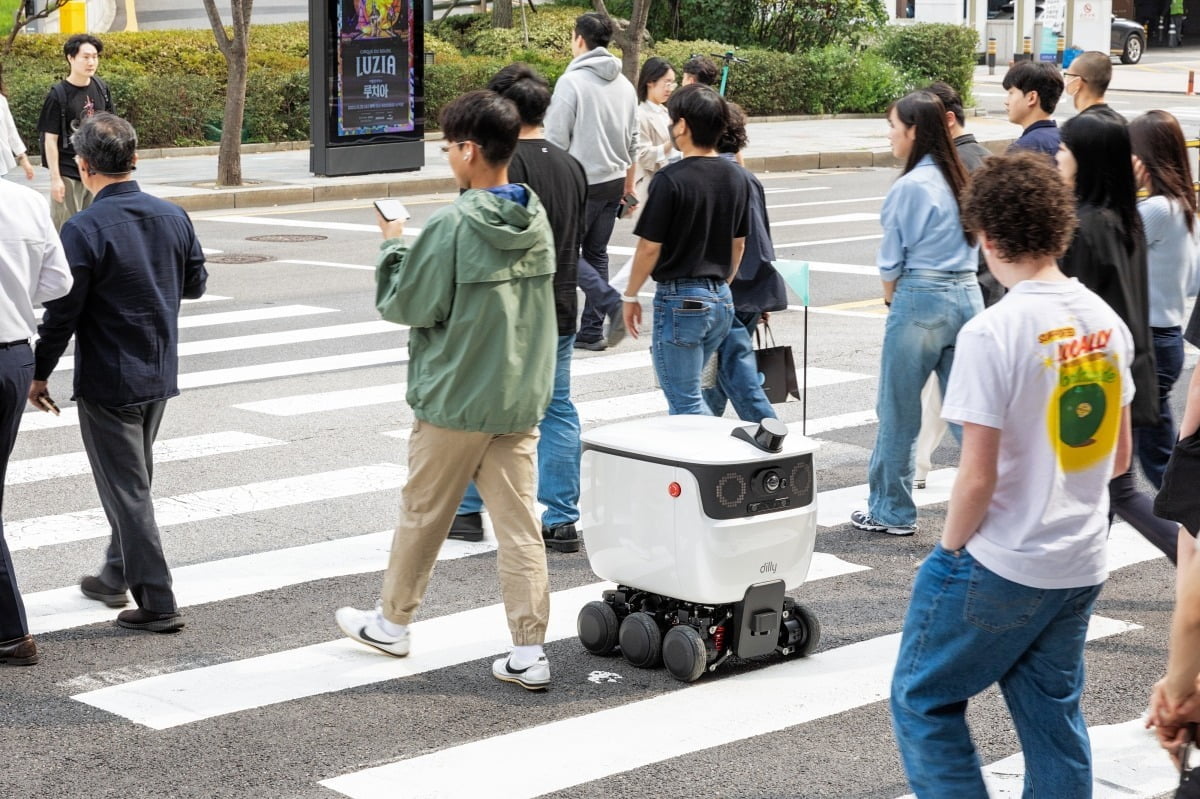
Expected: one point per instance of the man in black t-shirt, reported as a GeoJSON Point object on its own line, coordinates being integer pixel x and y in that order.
{"type": "Point", "coordinates": [692, 233]}
{"type": "Point", "coordinates": [560, 183]}
{"type": "Point", "coordinates": [79, 96]}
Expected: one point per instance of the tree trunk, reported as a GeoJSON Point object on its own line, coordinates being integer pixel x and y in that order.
{"type": "Point", "coordinates": [235, 48]}
{"type": "Point", "coordinates": [502, 13]}
{"type": "Point", "coordinates": [628, 35]}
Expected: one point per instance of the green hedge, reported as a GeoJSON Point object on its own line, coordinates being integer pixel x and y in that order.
{"type": "Point", "coordinates": [171, 84]}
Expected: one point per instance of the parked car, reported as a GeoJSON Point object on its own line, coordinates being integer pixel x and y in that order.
{"type": "Point", "coordinates": [1128, 39]}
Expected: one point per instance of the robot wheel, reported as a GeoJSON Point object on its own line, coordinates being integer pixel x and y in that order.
{"type": "Point", "coordinates": [598, 627]}
{"type": "Point", "coordinates": [641, 640]}
{"type": "Point", "coordinates": [684, 653]}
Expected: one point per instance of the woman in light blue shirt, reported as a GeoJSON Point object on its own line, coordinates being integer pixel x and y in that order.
{"type": "Point", "coordinates": [1169, 221]}
{"type": "Point", "coordinates": [927, 264]}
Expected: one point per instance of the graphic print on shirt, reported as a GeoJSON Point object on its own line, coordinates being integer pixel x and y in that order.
{"type": "Point", "coordinates": [87, 112]}
{"type": "Point", "coordinates": [1085, 408]}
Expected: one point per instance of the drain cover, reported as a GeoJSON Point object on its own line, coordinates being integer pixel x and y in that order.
{"type": "Point", "coordinates": [234, 258]}
{"type": "Point", "coordinates": [288, 238]}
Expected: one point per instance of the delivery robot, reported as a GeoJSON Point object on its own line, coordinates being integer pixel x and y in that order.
{"type": "Point", "coordinates": [703, 523]}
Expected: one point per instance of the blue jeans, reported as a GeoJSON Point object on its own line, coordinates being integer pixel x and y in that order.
{"type": "Point", "coordinates": [967, 628]}
{"type": "Point", "coordinates": [738, 379]}
{"type": "Point", "coordinates": [558, 451]}
{"type": "Point", "coordinates": [599, 217]}
{"type": "Point", "coordinates": [1154, 444]}
{"type": "Point", "coordinates": [927, 312]}
{"type": "Point", "coordinates": [691, 319]}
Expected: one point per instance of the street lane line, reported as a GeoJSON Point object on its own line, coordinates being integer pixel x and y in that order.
{"type": "Point", "coordinates": [835, 506]}
{"type": "Point", "coordinates": [827, 202]}
{"type": "Point", "coordinates": [307, 366]}
{"type": "Point", "coordinates": [334, 264]}
{"type": "Point", "coordinates": [843, 269]}
{"type": "Point", "coordinates": [219, 580]}
{"type": "Point", "coordinates": [846, 240]}
{"type": "Point", "coordinates": [212, 504]}
{"type": "Point", "coordinates": [249, 315]}
{"type": "Point", "coordinates": [206, 298]}
{"type": "Point", "coordinates": [781, 696]}
{"type": "Point", "coordinates": [71, 464]}
{"type": "Point", "coordinates": [795, 190]}
{"type": "Point", "coordinates": [183, 697]}
{"type": "Point", "coordinates": [313, 224]}
{"type": "Point", "coordinates": [827, 424]}
{"type": "Point", "coordinates": [1127, 762]}
{"type": "Point", "coordinates": [836, 219]}
{"type": "Point", "coordinates": [40, 420]}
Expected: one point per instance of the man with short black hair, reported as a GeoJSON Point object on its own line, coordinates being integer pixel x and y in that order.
{"type": "Point", "coordinates": [692, 234]}
{"type": "Point", "coordinates": [476, 290]}
{"type": "Point", "coordinates": [71, 101]}
{"type": "Point", "coordinates": [700, 69]}
{"type": "Point", "coordinates": [1087, 80]}
{"type": "Point", "coordinates": [1033, 90]}
{"type": "Point", "coordinates": [133, 257]}
{"type": "Point", "coordinates": [593, 116]}
{"type": "Point", "coordinates": [561, 184]}
{"type": "Point", "coordinates": [970, 151]}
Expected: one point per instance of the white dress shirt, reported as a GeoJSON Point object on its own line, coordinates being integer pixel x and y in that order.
{"type": "Point", "coordinates": [33, 267]}
{"type": "Point", "coordinates": [11, 146]}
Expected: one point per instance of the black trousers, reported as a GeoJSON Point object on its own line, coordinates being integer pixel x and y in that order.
{"type": "Point", "coordinates": [119, 444]}
{"type": "Point", "coordinates": [16, 372]}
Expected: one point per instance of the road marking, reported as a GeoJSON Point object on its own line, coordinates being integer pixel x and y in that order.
{"type": "Point", "coordinates": [843, 269]}
{"type": "Point", "coordinates": [794, 190]}
{"type": "Point", "coordinates": [835, 506]}
{"type": "Point", "coordinates": [315, 224]}
{"type": "Point", "coordinates": [219, 580]}
{"type": "Point", "coordinates": [265, 371]}
{"type": "Point", "coordinates": [336, 265]}
{"type": "Point", "coordinates": [249, 315]}
{"type": "Point", "coordinates": [213, 504]}
{"type": "Point", "coordinates": [828, 424]}
{"type": "Point", "coordinates": [847, 240]}
{"type": "Point", "coordinates": [40, 420]}
{"type": "Point", "coordinates": [784, 695]}
{"type": "Point", "coordinates": [205, 298]}
{"type": "Point", "coordinates": [183, 697]}
{"type": "Point", "coordinates": [836, 219]}
{"type": "Point", "coordinates": [828, 202]}
{"type": "Point", "coordinates": [1127, 762]}
{"type": "Point", "coordinates": [71, 464]}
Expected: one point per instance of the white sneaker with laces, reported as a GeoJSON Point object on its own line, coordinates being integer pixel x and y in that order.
{"type": "Point", "coordinates": [535, 677]}
{"type": "Point", "coordinates": [364, 626]}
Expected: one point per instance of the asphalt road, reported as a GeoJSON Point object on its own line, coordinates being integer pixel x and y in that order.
{"type": "Point", "coordinates": [268, 521]}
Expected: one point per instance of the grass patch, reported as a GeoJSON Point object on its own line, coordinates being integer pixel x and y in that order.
{"type": "Point", "coordinates": [8, 9]}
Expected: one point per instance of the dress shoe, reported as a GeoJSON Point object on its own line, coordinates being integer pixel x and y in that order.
{"type": "Point", "coordinates": [142, 619]}
{"type": "Point", "coordinates": [18, 652]}
{"type": "Point", "coordinates": [467, 527]}
{"type": "Point", "coordinates": [93, 588]}
{"type": "Point", "coordinates": [594, 346]}
{"type": "Point", "coordinates": [561, 538]}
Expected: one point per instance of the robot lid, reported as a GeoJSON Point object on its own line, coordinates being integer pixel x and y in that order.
{"type": "Point", "coordinates": [692, 439]}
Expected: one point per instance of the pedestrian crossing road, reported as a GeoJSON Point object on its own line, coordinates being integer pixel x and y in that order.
{"type": "Point", "coordinates": [276, 486]}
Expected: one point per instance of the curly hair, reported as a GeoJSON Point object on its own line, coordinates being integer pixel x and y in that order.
{"type": "Point", "coordinates": [1023, 206]}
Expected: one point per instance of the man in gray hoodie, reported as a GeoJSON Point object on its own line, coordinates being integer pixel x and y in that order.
{"type": "Point", "coordinates": [593, 116]}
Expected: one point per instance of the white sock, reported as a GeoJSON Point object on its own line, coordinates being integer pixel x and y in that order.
{"type": "Point", "coordinates": [524, 656]}
{"type": "Point", "coordinates": [391, 628]}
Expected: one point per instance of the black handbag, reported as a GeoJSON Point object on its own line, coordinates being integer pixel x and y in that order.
{"type": "Point", "coordinates": [1177, 500]}
{"type": "Point", "coordinates": [776, 368]}
{"type": "Point", "coordinates": [1189, 778]}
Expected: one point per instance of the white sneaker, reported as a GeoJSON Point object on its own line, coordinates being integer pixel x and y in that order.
{"type": "Point", "coordinates": [363, 626]}
{"type": "Point", "coordinates": [535, 677]}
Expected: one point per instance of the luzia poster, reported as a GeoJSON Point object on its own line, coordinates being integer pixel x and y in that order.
{"type": "Point", "coordinates": [375, 73]}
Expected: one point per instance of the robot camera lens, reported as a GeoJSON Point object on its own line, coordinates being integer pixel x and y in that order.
{"type": "Point", "coordinates": [772, 482]}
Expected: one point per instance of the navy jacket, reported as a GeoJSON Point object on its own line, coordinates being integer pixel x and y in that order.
{"type": "Point", "coordinates": [133, 257]}
{"type": "Point", "coordinates": [1041, 137]}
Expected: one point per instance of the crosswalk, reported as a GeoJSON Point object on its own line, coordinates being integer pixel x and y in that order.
{"type": "Point", "coordinates": [317, 394]}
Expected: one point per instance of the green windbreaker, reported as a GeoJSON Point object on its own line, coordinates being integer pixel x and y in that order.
{"type": "Point", "coordinates": [476, 289]}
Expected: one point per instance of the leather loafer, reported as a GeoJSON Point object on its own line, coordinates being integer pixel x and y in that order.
{"type": "Point", "coordinates": [93, 588]}
{"type": "Point", "coordinates": [467, 527]}
{"type": "Point", "coordinates": [18, 652]}
{"type": "Point", "coordinates": [141, 619]}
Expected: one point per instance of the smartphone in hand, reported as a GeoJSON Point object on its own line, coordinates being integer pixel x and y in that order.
{"type": "Point", "coordinates": [628, 203]}
{"type": "Point", "coordinates": [391, 210]}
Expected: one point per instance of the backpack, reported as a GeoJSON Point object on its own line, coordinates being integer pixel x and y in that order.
{"type": "Point", "coordinates": [60, 93]}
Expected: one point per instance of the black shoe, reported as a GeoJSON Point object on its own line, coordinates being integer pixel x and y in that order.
{"type": "Point", "coordinates": [467, 527]}
{"type": "Point", "coordinates": [561, 538]}
{"type": "Point", "coordinates": [18, 652]}
{"type": "Point", "coordinates": [141, 619]}
{"type": "Point", "coordinates": [595, 346]}
{"type": "Point", "coordinates": [93, 588]}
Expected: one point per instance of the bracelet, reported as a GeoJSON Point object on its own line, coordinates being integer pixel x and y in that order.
{"type": "Point", "coordinates": [625, 298]}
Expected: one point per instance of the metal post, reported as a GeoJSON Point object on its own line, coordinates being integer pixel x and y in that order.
{"type": "Point", "coordinates": [1191, 82]}
{"type": "Point", "coordinates": [991, 55]}
{"type": "Point", "coordinates": [1027, 48]}
{"type": "Point", "coordinates": [1172, 36]}
{"type": "Point", "coordinates": [1061, 47]}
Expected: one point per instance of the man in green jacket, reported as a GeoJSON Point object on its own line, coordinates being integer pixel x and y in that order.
{"type": "Point", "coordinates": [476, 290]}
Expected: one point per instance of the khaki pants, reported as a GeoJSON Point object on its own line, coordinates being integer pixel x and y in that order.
{"type": "Point", "coordinates": [504, 467]}
{"type": "Point", "coordinates": [76, 199]}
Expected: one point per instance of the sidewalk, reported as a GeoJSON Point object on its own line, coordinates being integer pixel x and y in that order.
{"type": "Point", "coordinates": [1169, 77]}
{"type": "Point", "coordinates": [281, 176]}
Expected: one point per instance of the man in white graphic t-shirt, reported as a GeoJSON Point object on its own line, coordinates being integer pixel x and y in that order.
{"type": "Point", "coordinates": [1041, 386]}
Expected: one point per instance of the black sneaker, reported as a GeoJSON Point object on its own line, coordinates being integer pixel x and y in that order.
{"type": "Point", "coordinates": [141, 619]}
{"type": "Point", "coordinates": [467, 527]}
{"type": "Point", "coordinates": [92, 588]}
{"type": "Point", "coordinates": [595, 346]}
{"type": "Point", "coordinates": [561, 538]}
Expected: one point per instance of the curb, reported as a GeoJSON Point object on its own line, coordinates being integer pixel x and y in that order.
{"type": "Point", "coordinates": [260, 196]}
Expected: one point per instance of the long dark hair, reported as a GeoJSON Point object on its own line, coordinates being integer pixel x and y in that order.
{"type": "Point", "coordinates": [652, 70]}
{"type": "Point", "coordinates": [1158, 141]}
{"type": "Point", "coordinates": [925, 112]}
{"type": "Point", "coordinates": [1104, 178]}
